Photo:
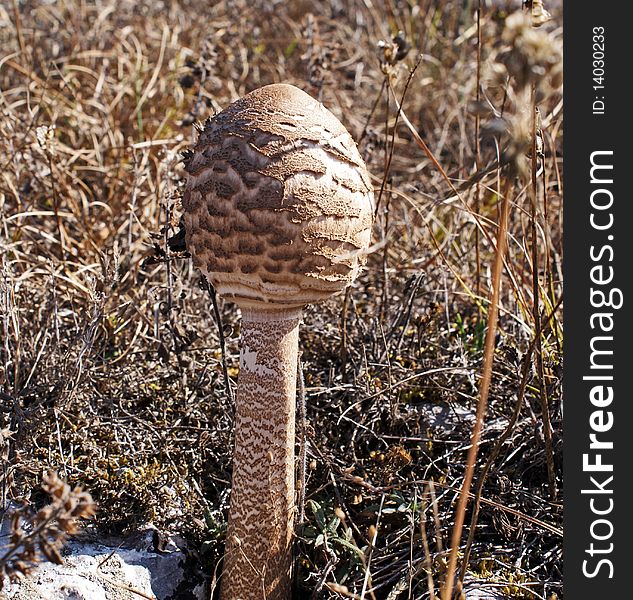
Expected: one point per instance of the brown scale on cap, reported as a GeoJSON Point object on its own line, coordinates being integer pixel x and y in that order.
{"type": "Point", "coordinates": [276, 178]}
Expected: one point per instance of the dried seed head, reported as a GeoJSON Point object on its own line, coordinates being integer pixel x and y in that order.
{"type": "Point", "coordinates": [43, 534]}
{"type": "Point", "coordinates": [392, 51]}
{"type": "Point", "coordinates": [46, 139]}
{"type": "Point", "coordinates": [532, 57]}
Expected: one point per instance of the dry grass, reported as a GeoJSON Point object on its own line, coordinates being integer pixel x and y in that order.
{"type": "Point", "coordinates": [111, 363]}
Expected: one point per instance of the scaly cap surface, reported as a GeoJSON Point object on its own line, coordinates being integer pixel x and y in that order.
{"type": "Point", "coordinates": [278, 201]}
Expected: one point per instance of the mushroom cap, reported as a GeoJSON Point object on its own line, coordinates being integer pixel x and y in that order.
{"type": "Point", "coordinates": [278, 203]}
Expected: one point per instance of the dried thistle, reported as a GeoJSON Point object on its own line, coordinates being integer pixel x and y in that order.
{"type": "Point", "coordinates": [42, 535]}
{"type": "Point", "coordinates": [529, 65]}
{"type": "Point", "coordinates": [532, 56]}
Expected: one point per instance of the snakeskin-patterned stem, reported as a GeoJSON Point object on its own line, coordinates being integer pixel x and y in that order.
{"type": "Point", "coordinates": [258, 558]}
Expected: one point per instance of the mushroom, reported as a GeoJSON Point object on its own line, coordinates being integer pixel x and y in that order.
{"type": "Point", "coordinates": [278, 210]}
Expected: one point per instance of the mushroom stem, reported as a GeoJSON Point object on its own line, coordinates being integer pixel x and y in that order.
{"type": "Point", "coordinates": [259, 539]}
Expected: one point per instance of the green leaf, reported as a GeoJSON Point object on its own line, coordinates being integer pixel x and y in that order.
{"type": "Point", "coordinates": [343, 542]}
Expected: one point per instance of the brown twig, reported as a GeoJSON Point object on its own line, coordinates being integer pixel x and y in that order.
{"type": "Point", "coordinates": [484, 388]}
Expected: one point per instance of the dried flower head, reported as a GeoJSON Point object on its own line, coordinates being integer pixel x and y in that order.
{"type": "Point", "coordinates": [43, 534]}
{"type": "Point", "coordinates": [531, 56]}
{"type": "Point", "coordinates": [391, 52]}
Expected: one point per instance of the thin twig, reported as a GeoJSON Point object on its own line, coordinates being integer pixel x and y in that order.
{"type": "Point", "coordinates": [489, 348]}
{"type": "Point", "coordinates": [303, 440]}
{"type": "Point", "coordinates": [536, 294]}
{"type": "Point", "coordinates": [218, 321]}
{"type": "Point", "coordinates": [478, 151]}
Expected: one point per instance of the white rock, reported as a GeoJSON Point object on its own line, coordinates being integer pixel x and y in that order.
{"type": "Point", "coordinates": [92, 571]}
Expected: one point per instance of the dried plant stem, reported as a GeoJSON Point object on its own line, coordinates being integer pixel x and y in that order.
{"type": "Point", "coordinates": [422, 144]}
{"type": "Point", "coordinates": [372, 111]}
{"type": "Point", "coordinates": [496, 505]}
{"type": "Point", "coordinates": [18, 28]}
{"type": "Point", "coordinates": [547, 427]}
{"type": "Point", "coordinates": [58, 221]}
{"type": "Point", "coordinates": [427, 562]}
{"type": "Point", "coordinates": [343, 346]}
{"type": "Point", "coordinates": [390, 146]}
{"type": "Point", "coordinates": [303, 441]}
{"type": "Point", "coordinates": [218, 320]}
{"type": "Point", "coordinates": [525, 377]}
{"type": "Point", "coordinates": [385, 263]}
{"type": "Point", "coordinates": [389, 150]}
{"type": "Point", "coordinates": [478, 153]}
{"type": "Point", "coordinates": [372, 546]}
{"type": "Point", "coordinates": [489, 348]}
